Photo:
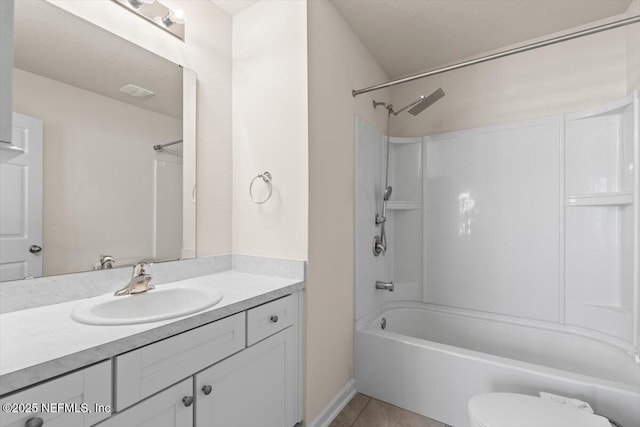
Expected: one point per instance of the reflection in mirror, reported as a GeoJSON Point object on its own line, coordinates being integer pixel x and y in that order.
{"type": "Point", "coordinates": [90, 192]}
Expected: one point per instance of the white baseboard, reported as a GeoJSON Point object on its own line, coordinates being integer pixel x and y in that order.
{"type": "Point", "coordinates": [337, 404]}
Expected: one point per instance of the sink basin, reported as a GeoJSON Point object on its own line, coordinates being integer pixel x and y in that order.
{"type": "Point", "coordinates": [163, 302]}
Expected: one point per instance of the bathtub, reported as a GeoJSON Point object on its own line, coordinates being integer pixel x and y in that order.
{"type": "Point", "coordinates": [432, 360]}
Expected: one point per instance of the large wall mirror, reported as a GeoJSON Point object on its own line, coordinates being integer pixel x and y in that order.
{"type": "Point", "coordinates": [91, 191]}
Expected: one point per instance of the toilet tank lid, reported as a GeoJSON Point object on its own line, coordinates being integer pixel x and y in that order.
{"type": "Point", "coordinates": [521, 410]}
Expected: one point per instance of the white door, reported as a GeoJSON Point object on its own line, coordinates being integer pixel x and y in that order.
{"type": "Point", "coordinates": [254, 388]}
{"type": "Point", "coordinates": [21, 203]}
{"type": "Point", "coordinates": [172, 407]}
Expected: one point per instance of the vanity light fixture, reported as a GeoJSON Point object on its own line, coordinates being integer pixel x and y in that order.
{"type": "Point", "coordinates": [137, 4]}
{"type": "Point", "coordinates": [174, 17]}
{"type": "Point", "coordinates": [170, 20]}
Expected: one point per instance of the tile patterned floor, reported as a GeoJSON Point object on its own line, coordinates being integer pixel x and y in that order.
{"type": "Point", "coordinates": [365, 411]}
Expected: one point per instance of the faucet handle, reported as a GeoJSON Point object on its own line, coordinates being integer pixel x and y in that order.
{"type": "Point", "coordinates": [139, 269]}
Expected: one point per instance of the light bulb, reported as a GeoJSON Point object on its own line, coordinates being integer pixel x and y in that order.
{"type": "Point", "coordinates": [177, 16]}
{"type": "Point", "coordinates": [174, 17]}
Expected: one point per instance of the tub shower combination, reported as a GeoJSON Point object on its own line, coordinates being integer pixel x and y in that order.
{"type": "Point", "coordinates": [512, 253]}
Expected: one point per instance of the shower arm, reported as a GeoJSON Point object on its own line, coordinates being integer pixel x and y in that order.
{"type": "Point", "coordinates": [159, 147]}
{"type": "Point", "coordinates": [395, 113]}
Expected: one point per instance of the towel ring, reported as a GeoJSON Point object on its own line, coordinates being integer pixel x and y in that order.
{"type": "Point", "coordinates": [266, 177]}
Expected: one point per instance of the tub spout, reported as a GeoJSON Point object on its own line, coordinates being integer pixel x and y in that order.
{"type": "Point", "coordinates": [385, 286]}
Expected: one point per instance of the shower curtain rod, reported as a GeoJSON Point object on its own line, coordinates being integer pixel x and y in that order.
{"type": "Point", "coordinates": [497, 55]}
{"type": "Point", "coordinates": [161, 146]}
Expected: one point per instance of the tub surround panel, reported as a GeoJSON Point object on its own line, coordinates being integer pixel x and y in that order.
{"type": "Point", "coordinates": [368, 268]}
{"type": "Point", "coordinates": [534, 294]}
{"type": "Point", "coordinates": [370, 152]}
{"type": "Point", "coordinates": [559, 247]}
{"type": "Point", "coordinates": [40, 343]}
{"type": "Point", "coordinates": [491, 219]}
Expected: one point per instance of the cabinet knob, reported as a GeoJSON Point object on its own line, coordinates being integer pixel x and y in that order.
{"type": "Point", "coordinates": [274, 318]}
{"type": "Point", "coordinates": [206, 389]}
{"type": "Point", "coordinates": [187, 400]}
{"type": "Point", "coordinates": [34, 422]}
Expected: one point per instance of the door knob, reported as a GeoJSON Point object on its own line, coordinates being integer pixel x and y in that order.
{"type": "Point", "coordinates": [34, 249]}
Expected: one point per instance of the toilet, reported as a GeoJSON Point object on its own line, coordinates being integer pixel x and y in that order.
{"type": "Point", "coordinates": [521, 410]}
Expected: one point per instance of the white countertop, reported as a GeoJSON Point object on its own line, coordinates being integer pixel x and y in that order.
{"type": "Point", "coordinates": [40, 343]}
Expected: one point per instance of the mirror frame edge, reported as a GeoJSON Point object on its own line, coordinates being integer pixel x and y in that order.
{"type": "Point", "coordinates": [189, 181]}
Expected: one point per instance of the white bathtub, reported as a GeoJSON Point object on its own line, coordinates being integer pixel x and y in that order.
{"type": "Point", "coordinates": [431, 361]}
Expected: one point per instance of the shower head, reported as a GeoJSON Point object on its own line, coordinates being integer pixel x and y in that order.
{"type": "Point", "coordinates": [387, 193]}
{"type": "Point", "coordinates": [425, 102]}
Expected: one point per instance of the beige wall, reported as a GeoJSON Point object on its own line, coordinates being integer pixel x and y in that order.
{"type": "Point", "coordinates": [565, 77]}
{"type": "Point", "coordinates": [633, 49]}
{"type": "Point", "coordinates": [270, 130]}
{"type": "Point", "coordinates": [98, 173]}
{"type": "Point", "coordinates": [207, 51]}
{"type": "Point", "coordinates": [338, 63]}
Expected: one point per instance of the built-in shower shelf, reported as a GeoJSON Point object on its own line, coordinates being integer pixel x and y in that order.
{"type": "Point", "coordinates": [616, 198]}
{"type": "Point", "coordinates": [404, 204]}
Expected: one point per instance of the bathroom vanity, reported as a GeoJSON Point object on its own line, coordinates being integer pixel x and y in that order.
{"type": "Point", "coordinates": [235, 364]}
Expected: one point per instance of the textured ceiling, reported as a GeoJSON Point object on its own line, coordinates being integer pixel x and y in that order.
{"type": "Point", "coordinates": [407, 36]}
{"type": "Point", "coordinates": [60, 46]}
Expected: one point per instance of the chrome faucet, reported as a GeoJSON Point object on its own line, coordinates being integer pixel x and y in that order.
{"type": "Point", "coordinates": [385, 286]}
{"type": "Point", "coordinates": [139, 281]}
{"type": "Point", "coordinates": [106, 261]}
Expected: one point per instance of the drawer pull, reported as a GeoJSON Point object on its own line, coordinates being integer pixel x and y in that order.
{"type": "Point", "coordinates": [187, 400]}
{"type": "Point", "coordinates": [206, 389]}
{"type": "Point", "coordinates": [274, 318]}
{"type": "Point", "coordinates": [34, 422]}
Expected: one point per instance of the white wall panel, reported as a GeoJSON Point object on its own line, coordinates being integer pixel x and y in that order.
{"type": "Point", "coordinates": [369, 166]}
{"type": "Point", "coordinates": [599, 150]}
{"type": "Point", "coordinates": [492, 219]}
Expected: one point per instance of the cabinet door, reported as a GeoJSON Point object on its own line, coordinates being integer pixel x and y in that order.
{"type": "Point", "coordinates": [79, 399]}
{"type": "Point", "coordinates": [255, 388]}
{"type": "Point", "coordinates": [165, 409]}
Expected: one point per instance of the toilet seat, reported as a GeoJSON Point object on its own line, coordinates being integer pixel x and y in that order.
{"type": "Point", "coordinates": [520, 410]}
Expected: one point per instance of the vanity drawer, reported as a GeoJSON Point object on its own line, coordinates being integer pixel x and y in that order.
{"type": "Point", "coordinates": [79, 399]}
{"type": "Point", "coordinates": [142, 372]}
{"type": "Point", "coordinates": [269, 318]}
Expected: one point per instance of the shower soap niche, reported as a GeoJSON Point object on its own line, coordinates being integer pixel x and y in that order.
{"type": "Point", "coordinates": [599, 150]}
{"type": "Point", "coordinates": [405, 172]}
